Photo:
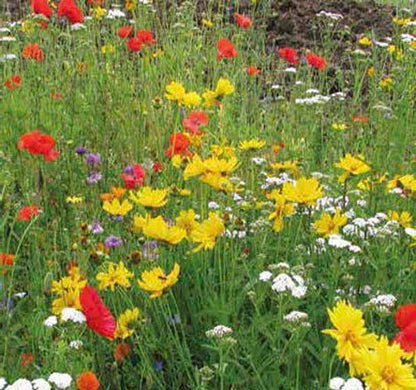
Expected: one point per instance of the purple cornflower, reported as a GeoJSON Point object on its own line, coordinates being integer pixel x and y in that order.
{"type": "Point", "coordinates": [150, 251]}
{"type": "Point", "coordinates": [94, 177]}
{"type": "Point", "coordinates": [112, 241]}
{"type": "Point", "coordinates": [158, 365]}
{"type": "Point", "coordinates": [116, 218]}
{"type": "Point", "coordinates": [128, 170]}
{"type": "Point", "coordinates": [92, 158]}
{"type": "Point", "coordinates": [95, 227]}
{"type": "Point", "coordinates": [80, 150]}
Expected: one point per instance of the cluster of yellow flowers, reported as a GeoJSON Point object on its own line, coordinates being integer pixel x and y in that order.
{"type": "Point", "coordinates": [381, 364]}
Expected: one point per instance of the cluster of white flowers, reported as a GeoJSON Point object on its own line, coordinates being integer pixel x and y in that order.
{"type": "Point", "coordinates": [275, 181]}
{"type": "Point", "coordinates": [297, 318]}
{"type": "Point", "coordinates": [219, 332]}
{"type": "Point", "coordinates": [330, 15]}
{"type": "Point", "coordinates": [51, 321]}
{"type": "Point", "coordinates": [383, 303]}
{"type": "Point", "coordinates": [60, 380]}
{"type": "Point", "coordinates": [285, 281]}
{"type": "Point", "coordinates": [75, 344]}
{"type": "Point", "coordinates": [321, 99]}
{"type": "Point", "coordinates": [71, 314]}
{"type": "Point", "coordinates": [338, 383]}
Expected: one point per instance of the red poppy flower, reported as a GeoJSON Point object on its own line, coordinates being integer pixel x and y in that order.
{"type": "Point", "coordinates": [252, 71]}
{"type": "Point", "coordinates": [26, 213]}
{"type": "Point", "coordinates": [121, 351]}
{"type": "Point", "coordinates": [193, 120]}
{"type": "Point", "coordinates": [157, 167]}
{"type": "Point", "coordinates": [124, 31]}
{"type": "Point", "coordinates": [98, 318]}
{"type": "Point", "coordinates": [315, 61]}
{"type": "Point", "coordinates": [87, 381]}
{"type": "Point", "coordinates": [38, 143]}
{"type": "Point", "coordinates": [13, 82]}
{"type": "Point", "coordinates": [94, 2]}
{"type": "Point", "coordinates": [6, 259]}
{"type": "Point", "coordinates": [55, 95]}
{"type": "Point", "coordinates": [70, 10]}
{"type": "Point", "coordinates": [179, 143]}
{"type": "Point", "coordinates": [405, 318]}
{"type": "Point", "coordinates": [361, 119]}
{"type": "Point", "coordinates": [145, 37]}
{"type": "Point", "coordinates": [135, 178]}
{"type": "Point", "coordinates": [41, 7]}
{"type": "Point", "coordinates": [225, 49]}
{"type": "Point", "coordinates": [289, 55]}
{"type": "Point", "coordinates": [26, 359]}
{"type": "Point", "coordinates": [242, 21]}
{"type": "Point", "coordinates": [134, 44]}
{"type": "Point", "coordinates": [32, 51]}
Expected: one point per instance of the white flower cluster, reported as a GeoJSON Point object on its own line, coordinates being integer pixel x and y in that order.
{"type": "Point", "coordinates": [321, 99]}
{"type": "Point", "coordinates": [383, 303]}
{"type": "Point", "coordinates": [330, 15]}
{"type": "Point", "coordinates": [71, 314]}
{"type": "Point", "coordinates": [285, 281]}
{"type": "Point", "coordinates": [377, 226]}
{"type": "Point", "coordinates": [219, 332]}
{"type": "Point", "coordinates": [338, 383]}
{"type": "Point", "coordinates": [60, 380]}
{"type": "Point", "coordinates": [297, 318]}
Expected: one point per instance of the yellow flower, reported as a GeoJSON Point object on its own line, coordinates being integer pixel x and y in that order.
{"type": "Point", "coordinates": [290, 166]}
{"type": "Point", "coordinates": [384, 370]}
{"type": "Point", "coordinates": [215, 165]}
{"type": "Point", "coordinates": [303, 191]}
{"type": "Point", "coordinates": [339, 126]}
{"type": "Point", "coordinates": [186, 220]}
{"type": "Point", "coordinates": [148, 197]}
{"type": "Point", "coordinates": [191, 99]}
{"type": "Point", "coordinates": [386, 82]}
{"type": "Point", "coordinates": [123, 322]}
{"type": "Point", "coordinates": [223, 87]}
{"type": "Point", "coordinates": [184, 192]}
{"type": "Point", "coordinates": [155, 280]}
{"type": "Point", "coordinates": [407, 182]}
{"type": "Point", "coordinates": [370, 71]}
{"type": "Point", "coordinates": [74, 199]}
{"type": "Point", "coordinates": [130, 4]}
{"type": "Point", "coordinates": [368, 184]}
{"type": "Point", "coordinates": [281, 208]}
{"type": "Point", "coordinates": [251, 144]}
{"type": "Point", "coordinates": [352, 166]}
{"type": "Point", "coordinates": [413, 44]}
{"type": "Point", "coordinates": [391, 49]}
{"type": "Point", "coordinates": [158, 229]}
{"type": "Point", "coordinates": [175, 91]}
{"type": "Point", "coordinates": [350, 334]}
{"type": "Point", "coordinates": [218, 182]}
{"type": "Point", "coordinates": [219, 150]}
{"type": "Point", "coordinates": [98, 12]}
{"type": "Point", "coordinates": [364, 41]}
{"type": "Point", "coordinates": [116, 208]}
{"type": "Point", "coordinates": [107, 49]}
{"type": "Point", "coordinates": [116, 274]}
{"type": "Point", "coordinates": [207, 23]}
{"type": "Point", "coordinates": [176, 160]}
{"type": "Point", "coordinates": [327, 225]}
{"type": "Point", "coordinates": [403, 219]}
{"type": "Point", "coordinates": [401, 21]}
{"type": "Point", "coordinates": [207, 232]}
{"type": "Point", "coordinates": [210, 98]}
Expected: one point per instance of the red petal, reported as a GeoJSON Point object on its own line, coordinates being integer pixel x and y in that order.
{"type": "Point", "coordinates": [407, 338]}
{"type": "Point", "coordinates": [405, 316]}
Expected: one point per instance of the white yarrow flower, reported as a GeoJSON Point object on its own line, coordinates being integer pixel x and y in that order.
{"type": "Point", "coordinates": [41, 384]}
{"type": "Point", "coordinates": [71, 314]}
{"type": "Point", "coordinates": [60, 380]}
{"type": "Point", "coordinates": [51, 321]}
{"type": "Point", "coordinates": [265, 276]}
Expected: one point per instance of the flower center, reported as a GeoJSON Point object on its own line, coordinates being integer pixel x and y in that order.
{"type": "Point", "coordinates": [387, 374]}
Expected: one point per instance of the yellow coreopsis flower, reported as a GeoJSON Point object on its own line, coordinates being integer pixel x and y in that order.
{"type": "Point", "coordinates": [384, 369]}
{"type": "Point", "coordinates": [156, 281]}
{"type": "Point", "coordinates": [219, 150]}
{"type": "Point", "coordinates": [158, 229]}
{"type": "Point", "coordinates": [186, 220]}
{"type": "Point", "coordinates": [386, 82]}
{"type": "Point", "coordinates": [339, 126]}
{"type": "Point", "coordinates": [328, 224]}
{"type": "Point", "coordinates": [290, 166]}
{"type": "Point", "coordinates": [350, 334]}
{"type": "Point", "coordinates": [117, 274]}
{"type": "Point", "coordinates": [129, 5]}
{"type": "Point", "coordinates": [403, 219]}
{"type": "Point", "coordinates": [206, 233]}
{"type": "Point", "coordinates": [223, 87]}
{"type": "Point", "coordinates": [107, 49]}
{"type": "Point", "coordinates": [218, 182]}
{"type": "Point", "coordinates": [124, 321]}
{"type": "Point", "coordinates": [303, 191]}
{"type": "Point", "coordinates": [74, 199]}
{"type": "Point", "coordinates": [281, 208]}
{"type": "Point", "coordinates": [251, 144]}
{"type": "Point", "coordinates": [175, 91]}
{"type": "Point", "coordinates": [364, 41]}
{"type": "Point", "coordinates": [117, 208]}
{"type": "Point", "coordinates": [370, 71]}
{"type": "Point", "coordinates": [207, 23]}
{"type": "Point", "coordinates": [97, 12]}
{"type": "Point", "coordinates": [401, 21]}
{"type": "Point", "coordinates": [210, 98]}
{"type": "Point", "coordinates": [352, 166]}
{"type": "Point", "coordinates": [219, 165]}
{"type": "Point", "coordinates": [191, 99]}
{"type": "Point", "coordinates": [148, 197]}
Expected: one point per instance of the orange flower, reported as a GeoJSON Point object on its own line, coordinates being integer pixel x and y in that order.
{"type": "Point", "coordinates": [121, 351]}
{"type": "Point", "coordinates": [26, 213]}
{"type": "Point", "coordinates": [26, 359]}
{"type": "Point", "coordinates": [118, 192]}
{"type": "Point", "coordinates": [225, 49]}
{"type": "Point", "coordinates": [6, 260]}
{"type": "Point", "coordinates": [87, 381]}
{"type": "Point", "coordinates": [13, 82]}
{"type": "Point", "coordinates": [252, 71]}
{"type": "Point", "coordinates": [242, 21]}
{"type": "Point", "coordinates": [32, 51]}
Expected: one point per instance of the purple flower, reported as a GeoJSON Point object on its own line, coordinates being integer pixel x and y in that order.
{"type": "Point", "coordinates": [173, 319]}
{"type": "Point", "coordinates": [117, 218]}
{"type": "Point", "coordinates": [129, 170]}
{"type": "Point", "coordinates": [150, 251]}
{"type": "Point", "coordinates": [112, 241]}
{"type": "Point", "coordinates": [158, 365]}
{"type": "Point", "coordinates": [92, 158]}
{"type": "Point", "coordinates": [95, 227]}
{"type": "Point", "coordinates": [94, 177]}
{"type": "Point", "coordinates": [80, 150]}
{"type": "Point", "coordinates": [6, 304]}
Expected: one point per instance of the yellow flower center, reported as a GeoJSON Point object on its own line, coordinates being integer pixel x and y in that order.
{"type": "Point", "coordinates": [387, 374]}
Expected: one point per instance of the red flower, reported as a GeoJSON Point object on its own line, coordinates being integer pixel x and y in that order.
{"type": "Point", "coordinates": [179, 143]}
{"type": "Point", "coordinates": [41, 7]}
{"type": "Point", "coordinates": [55, 95]}
{"type": "Point", "coordinates": [134, 44]}
{"type": "Point", "coordinates": [405, 319]}
{"type": "Point", "coordinates": [26, 359]}
{"type": "Point", "coordinates": [124, 31]}
{"type": "Point", "coordinates": [26, 213]}
{"type": "Point", "coordinates": [135, 178]}
{"type": "Point", "coordinates": [99, 318]}
{"type": "Point", "coordinates": [87, 381]}
{"type": "Point", "coordinates": [157, 167]}
{"type": "Point", "coordinates": [6, 259]}
{"type": "Point", "coordinates": [289, 55]}
{"type": "Point", "coordinates": [94, 2]}
{"type": "Point", "coordinates": [252, 71]}
{"type": "Point", "coordinates": [145, 37]}
{"type": "Point", "coordinates": [361, 119]}
{"type": "Point", "coordinates": [121, 351]}
{"type": "Point", "coordinates": [13, 82]}
{"type": "Point", "coordinates": [193, 120]}
{"type": "Point", "coordinates": [242, 21]}
{"type": "Point", "coordinates": [315, 61]}
{"type": "Point", "coordinates": [32, 51]}
{"type": "Point", "coordinates": [225, 49]}
{"type": "Point", "coordinates": [70, 10]}
{"type": "Point", "coordinates": [38, 143]}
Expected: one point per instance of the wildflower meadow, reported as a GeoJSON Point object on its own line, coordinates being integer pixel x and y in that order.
{"type": "Point", "coordinates": [208, 195]}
